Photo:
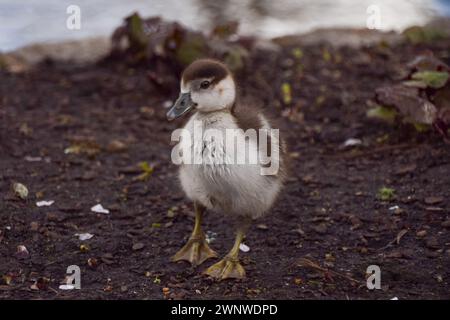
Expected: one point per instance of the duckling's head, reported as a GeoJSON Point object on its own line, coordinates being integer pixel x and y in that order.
{"type": "Point", "coordinates": [206, 85]}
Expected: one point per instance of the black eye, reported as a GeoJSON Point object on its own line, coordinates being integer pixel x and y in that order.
{"type": "Point", "coordinates": [205, 84]}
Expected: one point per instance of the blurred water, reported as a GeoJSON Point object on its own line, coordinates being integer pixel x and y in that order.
{"type": "Point", "coordinates": [28, 21]}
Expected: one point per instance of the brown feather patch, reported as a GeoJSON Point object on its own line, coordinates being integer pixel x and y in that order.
{"type": "Point", "coordinates": [205, 69]}
{"type": "Point", "coordinates": [247, 118]}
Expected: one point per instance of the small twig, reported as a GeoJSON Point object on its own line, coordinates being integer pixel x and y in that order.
{"type": "Point", "coordinates": [55, 291]}
{"type": "Point", "coordinates": [303, 262]}
{"type": "Point", "coordinates": [396, 239]}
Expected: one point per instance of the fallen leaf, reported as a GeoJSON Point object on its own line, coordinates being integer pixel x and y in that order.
{"type": "Point", "coordinates": [384, 113]}
{"type": "Point", "coordinates": [297, 53]}
{"type": "Point", "coordinates": [116, 146]}
{"type": "Point", "coordinates": [286, 93]}
{"type": "Point", "coordinates": [433, 79]}
{"type": "Point", "coordinates": [408, 102]}
{"type": "Point", "coordinates": [432, 243]}
{"type": "Point", "coordinates": [400, 235]}
{"type": "Point", "coordinates": [34, 226]}
{"type": "Point", "coordinates": [171, 212]}
{"type": "Point", "coordinates": [7, 279]}
{"type": "Point", "coordinates": [427, 62]}
{"type": "Point", "coordinates": [22, 252]}
{"type": "Point", "coordinates": [406, 169]}
{"type": "Point", "coordinates": [165, 291]}
{"type": "Point", "coordinates": [92, 262]}
{"type": "Point", "coordinates": [90, 149]}
{"type": "Point", "coordinates": [108, 258]}
{"type": "Point", "coordinates": [326, 55]}
{"type": "Point", "coordinates": [41, 284]}
{"type": "Point", "coordinates": [433, 200]}
{"type": "Point", "coordinates": [421, 233]}
{"type": "Point", "coordinates": [424, 34]}
{"type": "Point", "coordinates": [138, 246]}
{"type": "Point", "coordinates": [20, 190]}
{"type": "Point", "coordinates": [108, 288]}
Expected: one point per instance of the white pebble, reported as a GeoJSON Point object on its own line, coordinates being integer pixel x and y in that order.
{"type": "Point", "coordinates": [244, 248]}
{"type": "Point", "coordinates": [84, 236]}
{"type": "Point", "coordinates": [67, 287]}
{"type": "Point", "coordinates": [45, 203]}
{"type": "Point", "coordinates": [352, 142]}
{"type": "Point", "coordinates": [99, 209]}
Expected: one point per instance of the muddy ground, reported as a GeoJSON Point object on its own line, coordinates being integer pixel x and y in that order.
{"type": "Point", "coordinates": [109, 117]}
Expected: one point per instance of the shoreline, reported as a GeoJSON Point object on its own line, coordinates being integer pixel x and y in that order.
{"type": "Point", "coordinates": [91, 49]}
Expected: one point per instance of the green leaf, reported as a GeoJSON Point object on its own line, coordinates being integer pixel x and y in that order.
{"type": "Point", "coordinates": [192, 47]}
{"type": "Point", "coordinates": [297, 53]}
{"type": "Point", "coordinates": [235, 58]}
{"type": "Point", "coordinates": [386, 194]}
{"type": "Point", "coordinates": [420, 127]}
{"type": "Point", "coordinates": [147, 171]}
{"type": "Point", "coordinates": [416, 34]}
{"type": "Point", "coordinates": [145, 167]}
{"type": "Point", "coordinates": [326, 55]}
{"type": "Point", "coordinates": [408, 102]}
{"type": "Point", "coordinates": [433, 79]}
{"type": "Point", "coordinates": [136, 32]}
{"type": "Point", "coordinates": [286, 93]}
{"type": "Point", "coordinates": [383, 113]}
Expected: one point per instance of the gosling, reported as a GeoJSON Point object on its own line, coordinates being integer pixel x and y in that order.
{"type": "Point", "coordinates": [216, 174]}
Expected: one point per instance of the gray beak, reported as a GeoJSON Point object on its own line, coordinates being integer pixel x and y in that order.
{"type": "Point", "coordinates": [183, 104]}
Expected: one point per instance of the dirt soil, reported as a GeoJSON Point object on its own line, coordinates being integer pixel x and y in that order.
{"type": "Point", "coordinates": [75, 134]}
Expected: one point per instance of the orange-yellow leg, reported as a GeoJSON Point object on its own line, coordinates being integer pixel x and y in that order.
{"type": "Point", "coordinates": [229, 266]}
{"type": "Point", "coordinates": [196, 250]}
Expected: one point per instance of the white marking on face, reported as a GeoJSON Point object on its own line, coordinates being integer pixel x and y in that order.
{"type": "Point", "coordinates": [214, 98]}
{"type": "Point", "coordinates": [184, 88]}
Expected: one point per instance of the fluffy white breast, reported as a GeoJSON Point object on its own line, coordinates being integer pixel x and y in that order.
{"type": "Point", "coordinates": [218, 182]}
